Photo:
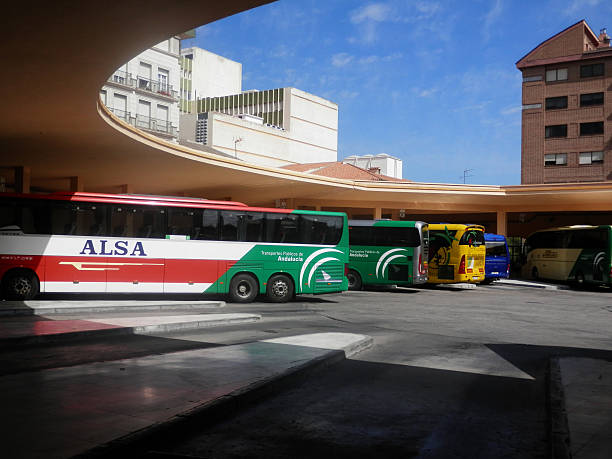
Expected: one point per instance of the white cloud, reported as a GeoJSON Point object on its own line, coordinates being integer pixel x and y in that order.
{"type": "Point", "coordinates": [341, 59]}
{"type": "Point", "coordinates": [368, 60]}
{"type": "Point", "coordinates": [377, 12]}
{"type": "Point", "coordinates": [576, 6]}
{"type": "Point", "coordinates": [492, 15]}
{"type": "Point", "coordinates": [425, 92]}
{"type": "Point", "coordinates": [510, 110]}
{"type": "Point", "coordinates": [346, 94]}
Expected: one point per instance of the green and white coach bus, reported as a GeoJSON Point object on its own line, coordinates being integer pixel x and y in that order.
{"type": "Point", "coordinates": [386, 252]}
{"type": "Point", "coordinates": [579, 254]}
{"type": "Point", "coordinates": [104, 243]}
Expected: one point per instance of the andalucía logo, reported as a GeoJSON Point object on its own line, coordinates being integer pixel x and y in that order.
{"type": "Point", "coordinates": [386, 258]}
{"type": "Point", "coordinates": [317, 259]}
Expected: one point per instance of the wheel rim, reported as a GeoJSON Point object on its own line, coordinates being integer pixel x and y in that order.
{"type": "Point", "coordinates": [351, 280]}
{"type": "Point", "coordinates": [280, 288]}
{"type": "Point", "coordinates": [243, 289]}
{"type": "Point", "coordinates": [21, 286]}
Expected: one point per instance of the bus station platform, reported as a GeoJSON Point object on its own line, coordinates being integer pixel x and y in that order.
{"type": "Point", "coordinates": [96, 409]}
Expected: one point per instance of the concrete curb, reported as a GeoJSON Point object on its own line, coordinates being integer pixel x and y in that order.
{"type": "Point", "coordinates": [19, 308]}
{"type": "Point", "coordinates": [119, 331]}
{"type": "Point", "coordinates": [560, 440]}
{"type": "Point", "coordinates": [520, 283]}
{"type": "Point", "coordinates": [137, 443]}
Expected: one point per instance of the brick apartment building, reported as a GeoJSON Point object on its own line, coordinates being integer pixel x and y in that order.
{"type": "Point", "coordinates": [567, 108]}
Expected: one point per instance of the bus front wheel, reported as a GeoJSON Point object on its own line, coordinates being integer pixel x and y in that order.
{"type": "Point", "coordinates": [280, 288]}
{"type": "Point", "coordinates": [20, 284]}
{"type": "Point", "coordinates": [354, 280]}
{"type": "Point", "coordinates": [243, 288]}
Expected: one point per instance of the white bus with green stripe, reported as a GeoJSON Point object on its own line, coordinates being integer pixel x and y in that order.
{"type": "Point", "coordinates": [579, 254]}
{"type": "Point", "coordinates": [387, 252]}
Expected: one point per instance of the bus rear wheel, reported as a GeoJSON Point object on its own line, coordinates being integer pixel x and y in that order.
{"type": "Point", "coordinates": [20, 284]}
{"type": "Point", "coordinates": [280, 288]}
{"type": "Point", "coordinates": [354, 280]}
{"type": "Point", "coordinates": [243, 288]}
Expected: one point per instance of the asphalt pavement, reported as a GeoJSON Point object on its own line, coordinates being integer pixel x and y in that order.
{"type": "Point", "coordinates": [101, 404]}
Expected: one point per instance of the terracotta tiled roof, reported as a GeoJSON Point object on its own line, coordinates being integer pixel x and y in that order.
{"type": "Point", "coordinates": [338, 169]}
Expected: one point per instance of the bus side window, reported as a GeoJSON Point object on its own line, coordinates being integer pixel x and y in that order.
{"type": "Point", "coordinates": [229, 225]}
{"type": "Point", "coordinates": [209, 230]}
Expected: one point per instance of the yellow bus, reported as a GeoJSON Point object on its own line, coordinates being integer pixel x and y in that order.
{"type": "Point", "coordinates": [456, 253]}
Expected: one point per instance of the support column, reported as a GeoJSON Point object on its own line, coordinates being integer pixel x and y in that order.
{"type": "Point", "coordinates": [76, 184]}
{"type": "Point", "coordinates": [502, 222]}
{"type": "Point", "coordinates": [377, 213]}
{"type": "Point", "coordinates": [23, 177]}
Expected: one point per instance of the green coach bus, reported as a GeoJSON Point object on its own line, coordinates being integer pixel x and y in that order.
{"type": "Point", "coordinates": [386, 252]}
{"type": "Point", "coordinates": [579, 254]}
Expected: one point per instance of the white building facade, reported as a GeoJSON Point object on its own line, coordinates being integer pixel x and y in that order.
{"type": "Point", "coordinates": [145, 91]}
{"type": "Point", "coordinates": [382, 163]}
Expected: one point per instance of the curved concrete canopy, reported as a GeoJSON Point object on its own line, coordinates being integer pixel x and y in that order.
{"type": "Point", "coordinates": [60, 54]}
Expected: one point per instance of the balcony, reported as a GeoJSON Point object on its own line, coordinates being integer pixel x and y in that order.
{"type": "Point", "coordinates": [156, 126]}
{"type": "Point", "coordinates": [157, 87]}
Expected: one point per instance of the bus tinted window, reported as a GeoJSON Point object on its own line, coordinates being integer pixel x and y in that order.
{"type": "Point", "coordinates": [208, 227]}
{"type": "Point", "coordinates": [472, 237]}
{"type": "Point", "coordinates": [90, 219]}
{"type": "Point", "coordinates": [252, 227]}
{"type": "Point", "coordinates": [62, 218]}
{"type": "Point", "coordinates": [496, 249]}
{"type": "Point", "coordinates": [398, 236]}
{"type": "Point", "coordinates": [229, 225]}
{"type": "Point", "coordinates": [282, 228]}
{"type": "Point", "coordinates": [321, 229]}
{"type": "Point", "coordinates": [360, 235]}
{"type": "Point", "coordinates": [137, 221]}
{"type": "Point", "coordinates": [183, 221]}
{"type": "Point", "coordinates": [588, 239]}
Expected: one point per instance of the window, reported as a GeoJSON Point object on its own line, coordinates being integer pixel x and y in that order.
{"type": "Point", "coordinates": [530, 106]}
{"type": "Point", "coordinates": [555, 159]}
{"type": "Point", "coordinates": [103, 96]}
{"type": "Point", "coordinates": [558, 130]}
{"type": "Point", "coordinates": [496, 249]}
{"type": "Point", "coordinates": [591, 157]}
{"type": "Point", "coordinates": [384, 236]}
{"type": "Point", "coordinates": [554, 103]}
{"type": "Point", "coordinates": [556, 75]}
{"type": "Point", "coordinates": [137, 221]}
{"type": "Point", "coordinates": [592, 128]}
{"type": "Point", "coordinates": [144, 76]}
{"type": "Point", "coordinates": [596, 98]}
{"type": "Point", "coordinates": [472, 237]}
{"type": "Point", "coordinates": [591, 70]}
{"type": "Point", "coordinates": [532, 78]}
{"type": "Point", "coordinates": [162, 76]}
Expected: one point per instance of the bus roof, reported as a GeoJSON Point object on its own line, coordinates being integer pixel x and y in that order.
{"type": "Point", "coordinates": [454, 226]}
{"type": "Point", "coordinates": [494, 237]}
{"type": "Point", "coordinates": [152, 200]}
{"type": "Point", "coordinates": [385, 222]}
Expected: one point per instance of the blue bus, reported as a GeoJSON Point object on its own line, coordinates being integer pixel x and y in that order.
{"type": "Point", "coordinates": [497, 259]}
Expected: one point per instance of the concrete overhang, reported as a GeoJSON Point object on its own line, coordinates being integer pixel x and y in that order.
{"type": "Point", "coordinates": [54, 123]}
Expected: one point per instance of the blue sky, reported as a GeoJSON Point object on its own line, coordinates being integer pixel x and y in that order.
{"type": "Point", "coordinates": [431, 82]}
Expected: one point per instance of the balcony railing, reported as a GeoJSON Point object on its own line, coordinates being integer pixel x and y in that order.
{"type": "Point", "coordinates": [145, 122]}
{"type": "Point", "coordinates": [144, 84]}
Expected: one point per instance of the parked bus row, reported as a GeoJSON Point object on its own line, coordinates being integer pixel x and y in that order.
{"type": "Point", "coordinates": [103, 243]}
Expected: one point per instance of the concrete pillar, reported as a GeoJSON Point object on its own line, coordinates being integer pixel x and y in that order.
{"type": "Point", "coordinates": [377, 213]}
{"type": "Point", "coordinates": [502, 223]}
{"type": "Point", "coordinates": [76, 184]}
{"type": "Point", "coordinates": [23, 177]}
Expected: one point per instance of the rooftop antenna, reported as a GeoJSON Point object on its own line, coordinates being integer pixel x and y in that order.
{"type": "Point", "coordinates": [466, 174]}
